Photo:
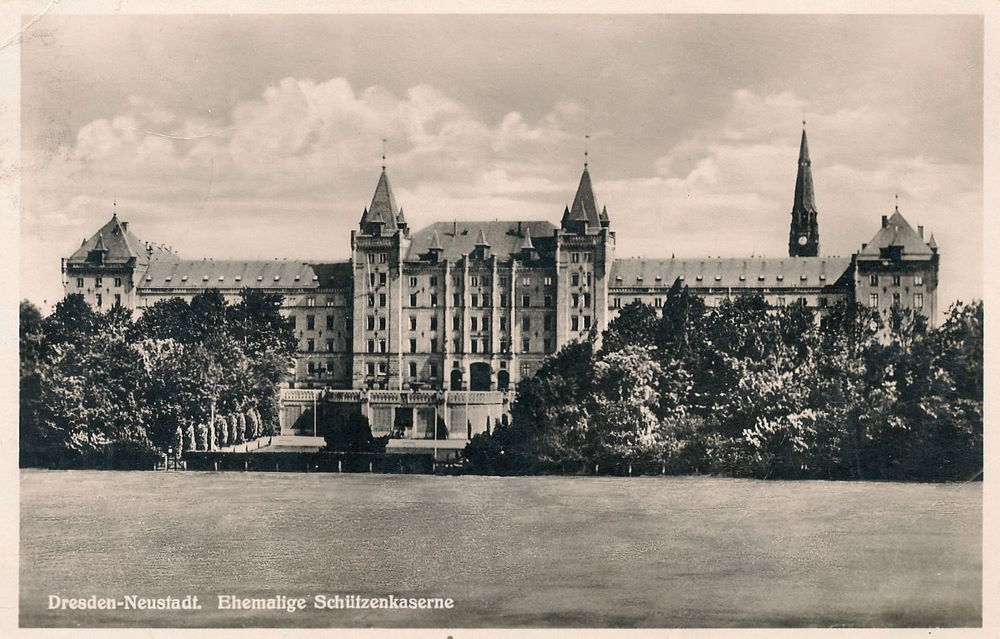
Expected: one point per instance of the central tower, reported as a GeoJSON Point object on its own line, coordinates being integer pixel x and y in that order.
{"type": "Point", "coordinates": [803, 236]}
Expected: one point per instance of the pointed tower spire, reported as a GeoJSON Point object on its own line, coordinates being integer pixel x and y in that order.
{"type": "Point", "coordinates": [803, 235]}
{"type": "Point", "coordinates": [526, 243]}
{"type": "Point", "coordinates": [605, 220]}
{"type": "Point", "coordinates": [583, 215]}
{"type": "Point", "coordinates": [382, 214]}
{"type": "Point", "coordinates": [435, 242]}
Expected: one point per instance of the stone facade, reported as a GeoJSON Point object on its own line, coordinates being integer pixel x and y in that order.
{"type": "Point", "coordinates": [442, 323]}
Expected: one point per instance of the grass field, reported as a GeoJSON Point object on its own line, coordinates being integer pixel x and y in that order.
{"type": "Point", "coordinates": [511, 552]}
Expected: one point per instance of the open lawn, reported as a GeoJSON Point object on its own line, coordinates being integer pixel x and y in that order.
{"type": "Point", "coordinates": [511, 552]}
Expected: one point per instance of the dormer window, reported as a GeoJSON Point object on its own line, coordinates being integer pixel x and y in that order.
{"type": "Point", "coordinates": [238, 278]}
{"type": "Point", "coordinates": [260, 278]}
{"type": "Point", "coordinates": [698, 278]}
{"type": "Point", "coordinates": [204, 278]}
{"type": "Point", "coordinates": [803, 277]}
{"type": "Point", "coordinates": [222, 278]}
{"type": "Point", "coordinates": [277, 277]}
{"type": "Point", "coordinates": [297, 278]}
{"type": "Point", "coordinates": [149, 278]}
{"type": "Point", "coordinates": [743, 278]}
{"type": "Point", "coordinates": [681, 278]}
{"type": "Point", "coordinates": [781, 278]}
{"type": "Point", "coordinates": [167, 278]}
{"type": "Point", "coordinates": [760, 278]}
{"type": "Point", "coordinates": [718, 278]}
{"type": "Point", "coordinates": [822, 278]}
{"type": "Point", "coordinates": [184, 279]}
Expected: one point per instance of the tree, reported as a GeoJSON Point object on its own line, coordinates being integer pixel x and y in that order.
{"type": "Point", "coordinates": [352, 434]}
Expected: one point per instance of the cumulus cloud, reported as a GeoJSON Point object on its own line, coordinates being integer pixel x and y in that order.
{"type": "Point", "coordinates": [287, 173]}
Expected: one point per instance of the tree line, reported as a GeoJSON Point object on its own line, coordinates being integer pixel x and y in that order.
{"type": "Point", "coordinates": [747, 390]}
{"type": "Point", "coordinates": [107, 390]}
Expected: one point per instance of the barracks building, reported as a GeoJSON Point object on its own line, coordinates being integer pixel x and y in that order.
{"type": "Point", "coordinates": [430, 330]}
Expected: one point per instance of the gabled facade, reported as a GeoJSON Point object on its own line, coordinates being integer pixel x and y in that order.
{"type": "Point", "coordinates": [430, 331]}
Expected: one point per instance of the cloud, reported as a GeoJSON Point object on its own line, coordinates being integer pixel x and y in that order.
{"type": "Point", "coordinates": [287, 173]}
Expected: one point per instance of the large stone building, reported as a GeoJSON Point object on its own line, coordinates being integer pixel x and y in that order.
{"type": "Point", "coordinates": [437, 326]}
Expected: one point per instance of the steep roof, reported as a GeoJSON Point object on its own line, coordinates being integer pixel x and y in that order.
{"type": "Point", "coordinates": [736, 272]}
{"type": "Point", "coordinates": [896, 232]}
{"type": "Point", "coordinates": [118, 242]}
{"type": "Point", "coordinates": [458, 238]}
{"type": "Point", "coordinates": [383, 207]}
{"type": "Point", "coordinates": [584, 207]}
{"type": "Point", "coordinates": [805, 197]}
{"type": "Point", "coordinates": [274, 274]}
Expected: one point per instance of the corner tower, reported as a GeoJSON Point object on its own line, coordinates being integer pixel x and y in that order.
{"type": "Point", "coordinates": [803, 236]}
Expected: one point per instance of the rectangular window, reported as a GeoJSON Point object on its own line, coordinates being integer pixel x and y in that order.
{"type": "Point", "coordinates": [586, 300]}
{"type": "Point", "coordinates": [370, 322]}
{"type": "Point", "coordinates": [310, 301]}
{"type": "Point", "coordinates": [434, 299]}
{"type": "Point", "coordinates": [456, 299]}
{"type": "Point", "coordinates": [474, 280]}
{"type": "Point", "coordinates": [381, 299]}
{"type": "Point", "coordinates": [617, 302]}
{"type": "Point", "coordinates": [434, 322]}
{"type": "Point", "coordinates": [457, 345]}
{"type": "Point", "coordinates": [525, 370]}
{"type": "Point", "coordinates": [548, 344]}
{"type": "Point", "coordinates": [504, 282]}
{"type": "Point", "coordinates": [413, 281]}
{"type": "Point", "coordinates": [873, 280]}
{"type": "Point", "coordinates": [329, 346]}
{"type": "Point", "coordinates": [575, 279]}
{"type": "Point", "coordinates": [371, 367]}
{"type": "Point", "coordinates": [329, 322]}
{"type": "Point", "coordinates": [658, 302]}
{"type": "Point", "coordinates": [895, 280]}
{"type": "Point", "coordinates": [574, 323]}
{"type": "Point", "coordinates": [413, 322]}
{"type": "Point", "coordinates": [118, 299]}
{"type": "Point", "coordinates": [118, 281]}
{"type": "Point", "coordinates": [486, 323]}
{"type": "Point", "coordinates": [586, 257]}
{"type": "Point", "coordinates": [873, 300]}
{"type": "Point", "coordinates": [503, 323]}
{"type": "Point", "coordinates": [382, 346]}
{"type": "Point", "coordinates": [381, 323]}
{"type": "Point", "coordinates": [382, 367]}
{"type": "Point", "coordinates": [434, 280]}
{"type": "Point", "coordinates": [371, 280]}
{"type": "Point", "coordinates": [548, 301]}
{"type": "Point", "coordinates": [548, 280]}
{"type": "Point", "coordinates": [526, 281]}
{"type": "Point", "coordinates": [918, 300]}
{"type": "Point", "coordinates": [575, 258]}
{"type": "Point", "coordinates": [586, 322]}
{"type": "Point", "coordinates": [918, 280]}
{"type": "Point", "coordinates": [525, 345]}
{"type": "Point", "coordinates": [310, 344]}
{"type": "Point", "coordinates": [475, 300]}
{"type": "Point", "coordinates": [781, 301]}
{"type": "Point", "coordinates": [79, 282]}
{"type": "Point", "coordinates": [293, 321]}
{"type": "Point", "coordinates": [434, 371]}
{"type": "Point", "coordinates": [382, 258]}
{"type": "Point", "coordinates": [526, 322]}
{"type": "Point", "coordinates": [311, 367]}
{"type": "Point", "coordinates": [371, 300]}
{"type": "Point", "coordinates": [381, 279]}
{"type": "Point", "coordinates": [504, 346]}
{"type": "Point", "coordinates": [823, 302]}
{"type": "Point", "coordinates": [413, 345]}
{"type": "Point", "coordinates": [371, 258]}
{"type": "Point", "coordinates": [895, 299]}
{"type": "Point", "coordinates": [576, 300]}
{"type": "Point", "coordinates": [98, 282]}
{"type": "Point", "coordinates": [456, 323]}
{"type": "Point", "coordinates": [310, 322]}
{"type": "Point", "coordinates": [525, 301]}
{"type": "Point", "coordinates": [475, 346]}
{"type": "Point", "coordinates": [474, 323]}
{"type": "Point", "coordinates": [548, 322]}
{"type": "Point", "coordinates": [413, 369]}
{"type": "Point", "coordinates": [434, 345]}
{"type": "Point", "coordinates": [504, 300]}
{"type": "Point", "coordinates": [413, 299]}
{"type": "Point", "coordinates": [371, 346]}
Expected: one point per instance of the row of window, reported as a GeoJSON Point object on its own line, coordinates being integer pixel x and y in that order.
{"type": "Point", "coordinates": [98, 282]}
{"type": "Point", "coordinates": [918, 280]}
{"type": "Point", "coordinates": [478, 345]}
{"type": "Point", "coordinates": [311, 345]}
{"type": "Point", "coordinates": [918, 300]}
{"type": "Point", "coordinates": [99, 300]}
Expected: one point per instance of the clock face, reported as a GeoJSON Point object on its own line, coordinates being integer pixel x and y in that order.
{"type": "Point", "coordinates": [802, 240]}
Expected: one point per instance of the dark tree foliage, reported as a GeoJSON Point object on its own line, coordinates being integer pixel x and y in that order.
{"type": "Point", "coordinates": [747, 390]}
{"type": "Point", "coordinates": [350, 432]}
{"type": "Point", "coordinates": [104, 390]}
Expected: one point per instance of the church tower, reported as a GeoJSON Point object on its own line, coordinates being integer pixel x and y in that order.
{"type": "Point", "coordinates": [803, 236]}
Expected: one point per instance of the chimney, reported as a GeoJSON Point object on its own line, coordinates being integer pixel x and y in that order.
{"type": "Point", "coordinates": [519, 234]}
{"type": "Point", "coordinates": [920, 230]}
{"type": "Point", "coordinates": [885, 221]}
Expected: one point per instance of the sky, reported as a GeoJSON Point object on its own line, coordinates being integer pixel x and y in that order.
{"type": "Point", "coordinates": [260, 136]}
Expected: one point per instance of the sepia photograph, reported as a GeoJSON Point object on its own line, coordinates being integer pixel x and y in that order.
{"type": "Point", "coordinates": [576, 318]}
